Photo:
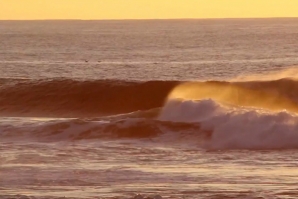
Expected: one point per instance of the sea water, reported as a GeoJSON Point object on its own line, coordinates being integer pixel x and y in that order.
{"type": "Point", "coordinates": [201, 109]}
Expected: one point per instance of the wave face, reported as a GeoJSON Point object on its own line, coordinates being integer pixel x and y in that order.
{"type": "Point", "coordinates": [74, 98]}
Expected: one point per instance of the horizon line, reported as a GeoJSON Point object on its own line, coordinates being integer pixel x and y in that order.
{"type": "Point", "coordinates": [152, 19]}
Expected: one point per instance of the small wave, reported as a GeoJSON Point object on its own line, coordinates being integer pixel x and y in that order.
{"type": "Point", "coordinates": [126, 126]}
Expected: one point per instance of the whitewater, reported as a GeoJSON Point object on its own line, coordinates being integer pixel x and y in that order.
{"type": "Point", "coordinates": [155, 109]}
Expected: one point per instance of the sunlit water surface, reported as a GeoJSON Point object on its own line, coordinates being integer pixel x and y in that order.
{"type": "Point", "coordinates": [36, 164]}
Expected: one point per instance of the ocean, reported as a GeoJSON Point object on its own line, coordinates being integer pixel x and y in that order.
{"type": "Point", "coordinates": [135, 109]}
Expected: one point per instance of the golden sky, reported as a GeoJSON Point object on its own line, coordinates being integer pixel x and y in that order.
{"type": "Point", "coordinates": [146, 9]}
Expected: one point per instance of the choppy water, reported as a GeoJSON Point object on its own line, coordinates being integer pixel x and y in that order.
{"type": "Point", "coordinates": [102, 109]}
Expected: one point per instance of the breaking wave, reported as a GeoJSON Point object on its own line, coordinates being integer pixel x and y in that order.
{"type": "Point", "coordinates": [215, 114]}
{"type": "Point", "coordinates": [93, 98]}
{"type": "Point", "coordinates": [235, 127]}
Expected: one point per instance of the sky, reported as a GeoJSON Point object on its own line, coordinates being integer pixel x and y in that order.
{"type": "Point", "coordinates": [145, 9]}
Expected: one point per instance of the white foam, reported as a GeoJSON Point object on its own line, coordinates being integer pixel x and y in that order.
{"type": "Point", "coordinates": [236, 127]}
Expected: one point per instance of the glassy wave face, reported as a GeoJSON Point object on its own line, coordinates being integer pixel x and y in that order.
{"type": "Point", "coordinates": [74, 98]}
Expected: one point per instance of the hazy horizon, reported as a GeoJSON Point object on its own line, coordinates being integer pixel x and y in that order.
{"type": "Point", "coordinates": [154, 19]}
{"type": "Point", "coordinates": [145, 9]}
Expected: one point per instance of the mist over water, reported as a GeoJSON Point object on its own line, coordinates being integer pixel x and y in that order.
{"type": "Point", "coordinates": [174, 109]}
{"type": "Point", "coordinates": [273, 94]}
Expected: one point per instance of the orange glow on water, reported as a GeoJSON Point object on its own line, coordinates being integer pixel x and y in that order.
{"type": "Point", "coordinates": [234, 94]}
